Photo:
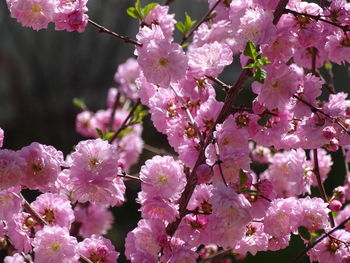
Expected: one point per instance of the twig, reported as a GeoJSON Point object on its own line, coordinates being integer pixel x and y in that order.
{"type": "Point", "coordinates": [345, 161]}
{"type": "Point", "coordinates": [320, 185]}
{"type": "Point", "coordinates": [130, 177]}
{"type": "Point", "coordinates": [114, 109]}
{"type": "Point", "coordinates": [155, 150]}
{"type": "Point", "coordinates": [314, 109]}
{"type": "Point", "coordinates": [220, 83]}
{"type": "Point", "coordinates": [190, 33]}
{"type": "Point", "coordinates": [107, 31]}
{"type": "Point", "coordinates": [279, 11]}
{"type": "Point", "coordinates": [218, 161]}
{"type": "Point", "coordinates": [297, 258]}
{"type": "Point", "coordinates": [125, 122]}
{"type": "Point", "coordinates": [218, 254]}
{"type": "Point", "coordinates": [345, 28]}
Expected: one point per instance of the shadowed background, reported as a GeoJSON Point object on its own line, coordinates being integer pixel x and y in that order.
{"type": "Point", "coordinates": [41, 72]}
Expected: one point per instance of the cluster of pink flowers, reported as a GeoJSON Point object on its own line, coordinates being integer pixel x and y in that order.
{"type": "Point", "coordinates": [210, 194]}
{"type": "Point", "coordinates": [37, 14]}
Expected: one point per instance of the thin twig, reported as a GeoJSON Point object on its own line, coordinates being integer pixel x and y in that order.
{"type": "Point", "coordinates": [130, 177]}
{"type": "Point", "coordinates": [320, 186]}
{"type": "Point", "coordinates": [345, 28]}
{"type": "Point", "coordinates": [218, 254]}
{"type": "Point", "coordinates": [314, 109]}
{"type": "Point", "coordinates": [155, 150]}
{"type": "Point", "coordinates": [346, 164]}
{"type": "Point", "coordinates": [279, 11]}
{"type": "Point", "coordinates": [107, 31]}
{"type": "Point", "coordinates": [218, 160]}
{"type": "Point", "coordinates": [220, 83]}
{"type": "Point", "coordinates": [297, 258]}
{"type": "Point", "coordinates": [205, 18]}
{"type": "Point", "coordinates": [125, 122]}
{"type": "Point", "coordinates": [114, 109]}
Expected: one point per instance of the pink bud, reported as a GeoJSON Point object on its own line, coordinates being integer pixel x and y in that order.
{"type": "Point", "coordinates": [335, 206]}
{"type": "Point", "coordinates": [329, 132]}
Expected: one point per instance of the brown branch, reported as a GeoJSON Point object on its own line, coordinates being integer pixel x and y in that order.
{"type": "Point", "coordinates": [314, 109]}
{"type": "Point", "coordinates": [218, 161]}
{"type": "Point", "coordinates": [155, 150]}
{"type": "Point", "coordinates": [102, 29]}
{"type": "Point", "coordinates": [130, 177]}
{"type": "Point", "coordinates": [279, 11]}
{"type": "Point", "coordinates": [205, 18]}
{"type": "Point", "coordinates": [218, 254]}
{"type": "Point", "coordinates": [114, 109]}
{"type": "Point", "coordinates": [125, 122]}
{"type": "Point", "coordinates": [299, 257]}
{"type": "Point", "coordinates": [316, 171]}
{"type": "Point", "coordinates": [220, 83]}
{"type": "Point", "coordinates": [345, 28]}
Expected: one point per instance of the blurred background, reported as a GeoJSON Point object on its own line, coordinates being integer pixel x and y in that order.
{"type": "Point", "coordinates": [41, 72]}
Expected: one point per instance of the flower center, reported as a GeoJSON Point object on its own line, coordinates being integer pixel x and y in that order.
{"type": "Point", "coordinates": [163, 62]}
{"type": "Point", "coordinates": [36, 8]}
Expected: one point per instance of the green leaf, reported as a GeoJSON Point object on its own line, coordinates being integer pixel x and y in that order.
{"type": "Point", "coordinates": [259, 75]}
{"type": "Point", "coordinates": [125, 132]}
{"type": "Point", "coordinates": [248, 191]}
{"type": "Point", "coordinates": [250, 50]}
{"type": "Point", "coordinates": [180, 26]}
{"type": "Point", "coordinates": [131, 11]}
{"type": "Point", "coordinates": [147, 9]}
{"type": "Point", "coordinates": [243, 178]}
{"type": "Point", "coordinates": [265, 61]}
{"type": "Point", "coordinates": [108, 135]}
{"type": "Point", "coordinates": [264, 119]}
{"type": "Point", "coordinates": [138, 6]}
{"type": "Point", "coordinates": [315, 235]}
{"type": "Point", "coordinates": [304, 233]}
{"type": "Point", "coordinates": [186, 26]}
{"type": "Point", "coordinates": [328, 66]}
{"type": "Point", "coordinates": [251, 65]}
{"type": "Point", "coordinates": [100, 133]}
{"type": "Point", "coordinates": [79, 103]}
{"type": "Point", "coordinates": [138, 115]}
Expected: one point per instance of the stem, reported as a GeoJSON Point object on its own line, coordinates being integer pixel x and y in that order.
{"type": "Point", "coordinates": [345, 161]}
{"type": "Point", "coordinates": [205, 18]}
{"type": "Point", "coordinates": [317, 18]}
{"type": "Point", "coordinates": [218, 254]}
{"type": "Point", "coordinates": [130, 177]}
{"type": "Point", "coordinates": [320, 185]}
{"type": "Point", "coordinates": [115, 104]}
{"type": "Point", "coordinates": [125, 122]}
{"type": "Point", "coordinates": [218, 161]}
{"type": "Point", "coordinates": [107, 31]}
{"type": "Point", "coordinates": [220, 83]}
{"type": "Point", "coordinates": [314, 109]}
{"type": "Point", "coordinates": [155, 150]}
{"type": "Point", "coordinates": [297, 258]}
{"type": "Point", "coordinates": [279, 11]}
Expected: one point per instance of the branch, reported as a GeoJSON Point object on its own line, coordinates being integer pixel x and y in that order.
{"type": "Point", "coordinates": [102, 29]}
{"type": "Point", "coordinates": [125, 122]}
{"type": "Point", "coordinates": [218, 161]}
{"type": "Point", "coordinates": [220, 83]}
{"type": "Point", "coordinates": [320, 185]}
{"type": "Point", "coordinates": [130, 177]}
{"type": "Point", "coordinates": [205, 18]}
{"type": "Point", "coordinates": [115, 105]}
{"type": "Point", "coordinates": [297, 258]}
{"type": "Point", "coordinates": [279, 11]}
{"type": "Point", "coordinates": [156, 150]}
{"type": "Point", "coordinates": [345, 28]}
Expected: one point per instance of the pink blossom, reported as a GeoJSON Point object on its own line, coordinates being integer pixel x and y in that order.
{"type": "Point", "coordinates": [10, 202]}
{"type": "Point", "coordinates": [19, 230]}
{"type": "Point", "coordinates": [131, 146]}
{"type": "Point", "coordinates": [254, 240]}
{"type": "Point", "coordinates": [331, 249]}
{"type": "Point", "coordinates": [43, 164]}
{"type": "Point", "coordinates": [54, 244]}
{"type": "Point", "coordinates": [157, 208]}
{"type": "Point", "coordinates": [338, 47]}
{"type": "Point", "coordinates": [55, 209]}
{"type": "Point", "coordinates": [180, 253]}
{"type": "Point", "coordinates": [94, 219]}
{"type": "Point", "coordinates": [93, 173]}
{"type": "Point", "coordinates": [229, 206]}
{"type": "Point", "coordinates": [33, 13]}
{"type": "Point", "coordinates": [1, 137]}
{"type": "Point", "coordinates": [314, 214]}
{"type": "Point", "coordinates": [147, 90]}
{"type": "Point", "coordinates": [71, 16]}
{"type": "Point", "coordinates": [86, 124]}
{"type": "Point", "coordinates": [209, 59]}
{"type": "Point", "coordinates": [282, 217]}
{"type": "Point", "coordinates": [162, 177]}
{"type": "Point", "coordinates": [162, 62]}
{"type": "Point", "coordinates": [11, 165]}
{"type": "Point", "coordinates": [16, 258]}
{"type": "Point", "coordinates": [280, 85]}
{"type": "Point", "coordinates": [98, 249]}
{"type": "Point", "coordinates": [126, 75]}
{"type": "Point", "coordinates": [159, 16]}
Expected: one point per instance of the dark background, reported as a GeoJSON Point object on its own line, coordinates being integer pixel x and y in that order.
{"type": "Point", "coordinates": [41, 72]}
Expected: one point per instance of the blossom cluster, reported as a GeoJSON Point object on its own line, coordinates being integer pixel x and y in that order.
{"type": "Point", "coordinates": [209, 197]}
